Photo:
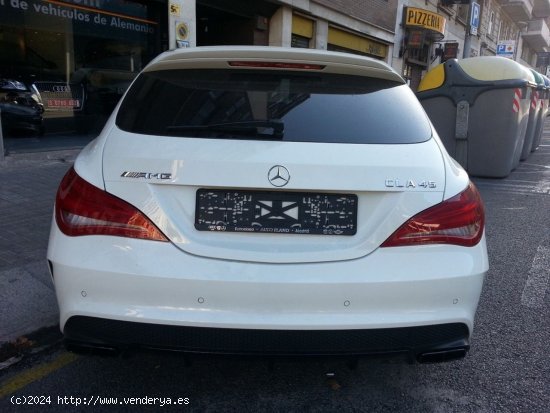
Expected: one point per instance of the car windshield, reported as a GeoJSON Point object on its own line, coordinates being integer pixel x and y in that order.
{"type": "Point", "coordinates": [274, 105]}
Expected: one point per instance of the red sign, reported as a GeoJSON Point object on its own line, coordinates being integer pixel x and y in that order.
{"type": "Point", "coordinates": [63, 103]}
{"type": "Point", "coordinates": [415, 39]}
{"type": "Point", "coordinates": [450, 51]}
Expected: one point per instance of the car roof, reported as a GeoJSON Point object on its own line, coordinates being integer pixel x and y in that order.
{"type": "Point", "coordinates": [219, 57]}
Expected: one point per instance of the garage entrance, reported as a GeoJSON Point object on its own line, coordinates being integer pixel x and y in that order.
{"type": "Point", "coordinates": [234, 23]}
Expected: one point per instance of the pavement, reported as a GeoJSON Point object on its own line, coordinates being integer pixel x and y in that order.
{"type": "Point", "coordinates": [27, 192]}
{"type": "Point", "coordinates": [51, 142]}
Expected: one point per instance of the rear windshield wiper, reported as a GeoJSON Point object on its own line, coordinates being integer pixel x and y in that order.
{"type": "Point", "coordinates": [272, 128]}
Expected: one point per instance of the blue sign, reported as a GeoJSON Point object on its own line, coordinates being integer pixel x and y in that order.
{"type": "Point", "coordinates": [474, 15]}
{"type": "Point", "coordinates": [506, 48]}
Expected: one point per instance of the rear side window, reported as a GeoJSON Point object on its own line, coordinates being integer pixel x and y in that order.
{"type": "Point", "coordinates": [273, 105]}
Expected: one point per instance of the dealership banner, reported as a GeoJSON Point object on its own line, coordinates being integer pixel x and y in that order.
{"type": "Point", "coordinates": [112, 18]}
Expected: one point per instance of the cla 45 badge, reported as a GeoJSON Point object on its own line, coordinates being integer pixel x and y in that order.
{"type": "Point", "coordinates": [409, 183]}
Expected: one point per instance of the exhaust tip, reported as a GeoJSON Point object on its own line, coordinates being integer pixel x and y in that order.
{"type": "Point", "coordinates": [442, 355]}
{"type": "Point", "coordinates": [91, 349]}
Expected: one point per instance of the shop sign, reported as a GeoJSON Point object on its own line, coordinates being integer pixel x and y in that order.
{"type": "Point", "coordinates": [426, 19]}
{"type": "Point", "coordinates": [351, 41]}
{"type": "Point", "coordinates": [450, 51]}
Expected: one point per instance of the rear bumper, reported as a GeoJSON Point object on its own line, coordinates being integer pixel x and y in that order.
{"type": "Point", "coordinates": [124, 292]}
{"type": "Point", "coordinates": [96, 333]}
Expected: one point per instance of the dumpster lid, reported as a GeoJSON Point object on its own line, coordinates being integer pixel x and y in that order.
{"type": "Point", "coordinates": [466, 79]}
{"type": "Point", "coordinates": [490, 71]}
{"type": "Point", "coordinates": [538, 79]}
{"type": "Point", "coordinates": [494, 68]}
{"type": "Point", "coordinates": [434, 79]}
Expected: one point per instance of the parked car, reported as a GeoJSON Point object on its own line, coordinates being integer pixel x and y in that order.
{"type": "Point", "coordinates": [21, 107]}
{"type": "Point", "coordinates": [105, 74]}
{"type": "Point", "coordinates": [260, 200]}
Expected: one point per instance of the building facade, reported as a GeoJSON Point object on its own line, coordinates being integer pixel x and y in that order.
{"type": "Point", "coordinates": [519, 28]}
{"type": "Point", "coordinates": [82, 54]}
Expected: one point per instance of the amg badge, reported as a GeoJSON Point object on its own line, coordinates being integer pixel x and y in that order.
{"type": "Point", "coordinates": [147, 175]}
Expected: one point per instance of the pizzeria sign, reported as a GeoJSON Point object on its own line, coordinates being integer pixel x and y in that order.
{"type": "Point", "coordinates": [425, 19]}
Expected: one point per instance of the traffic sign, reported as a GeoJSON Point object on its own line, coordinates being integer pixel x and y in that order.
{"type": "Point", "coordinates": [475, 11]}
{"type": "Point", "coordinates": [506, 48]}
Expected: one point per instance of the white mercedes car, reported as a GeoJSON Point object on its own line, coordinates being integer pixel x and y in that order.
{"type": "Point", "coordinates": [261, 200]}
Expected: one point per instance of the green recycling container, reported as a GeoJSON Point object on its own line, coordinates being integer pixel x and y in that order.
{"type": "Point", "coordinates": [535, 115]}
{"type": "Point", "coordinates": [543, 113]}
{"type": "Point", "coordinates": [480, 109]}
{"type": "Point", "coordinates": [546, 101]}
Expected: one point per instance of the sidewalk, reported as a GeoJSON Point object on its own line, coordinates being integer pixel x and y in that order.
{"type": "Point", "coordinates": [24, 145]}
{"type": "Point", "coordinates": [27, 192]}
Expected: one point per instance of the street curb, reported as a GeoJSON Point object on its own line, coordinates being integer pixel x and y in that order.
{"type": "Point", "coordinates": [42, 339]}
{"type": "Point", "coordinates": [34, 158]}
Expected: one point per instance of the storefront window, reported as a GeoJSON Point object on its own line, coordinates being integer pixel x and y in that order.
{"type": "Point", "coordinates": [299, 41]}
{"type": "Point", "coordinates": [80, 55]}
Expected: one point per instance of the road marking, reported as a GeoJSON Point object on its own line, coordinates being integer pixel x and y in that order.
{"type": "Point", "coordinates": [537, 165]}
{"type": "Point", "coordinates": [543, 186]}
{"type": "Point", "coordinates": [29, 376]}
{"type": "Point", "coordinates": [537, 281]}
{"type": "Point", "coordinates": [519, 186]}
{"type": "Point", "coordinates": [536, 188]}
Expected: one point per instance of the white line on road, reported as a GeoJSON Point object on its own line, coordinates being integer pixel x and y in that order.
{"type": "Point", "coordinates": [537, 281]}
{"type": "Point", "coordinates": [538, 166]}
{"type": "Point", "coordinates": [538, 188]}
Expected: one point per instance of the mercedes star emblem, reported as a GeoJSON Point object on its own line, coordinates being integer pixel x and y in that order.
{"type": "Point", "coordinates": [278, 176]}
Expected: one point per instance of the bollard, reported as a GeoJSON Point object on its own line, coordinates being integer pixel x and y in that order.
{"type": "Point", "coordinates": [1, 139]}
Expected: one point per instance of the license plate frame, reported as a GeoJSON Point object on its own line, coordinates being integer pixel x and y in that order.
{"type": "Point", "coordinates": [276, 212]}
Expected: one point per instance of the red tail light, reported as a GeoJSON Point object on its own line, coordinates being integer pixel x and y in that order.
{"type": "Point", "coordinates": [83, 209]}
{"type": "Point", "coordinates": [458, 220]}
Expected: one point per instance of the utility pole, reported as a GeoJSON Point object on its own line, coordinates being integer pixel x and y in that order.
{"type": "Point", "coordinates": [467, 36]}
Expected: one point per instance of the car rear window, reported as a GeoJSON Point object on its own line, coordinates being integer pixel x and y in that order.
{"type": "Point", "coordinates": [273, 105]}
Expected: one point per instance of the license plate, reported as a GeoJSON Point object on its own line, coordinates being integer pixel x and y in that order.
{"type": "Point", "coordinates": [276, 212]}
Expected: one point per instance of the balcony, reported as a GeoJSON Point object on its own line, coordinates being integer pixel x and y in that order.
{"type": "Point", "coordinates": [518, 10]}
{"type": "Point", "coordinates": [541, 8]}
{"type": "Point", "coordinates": [537, 35]}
